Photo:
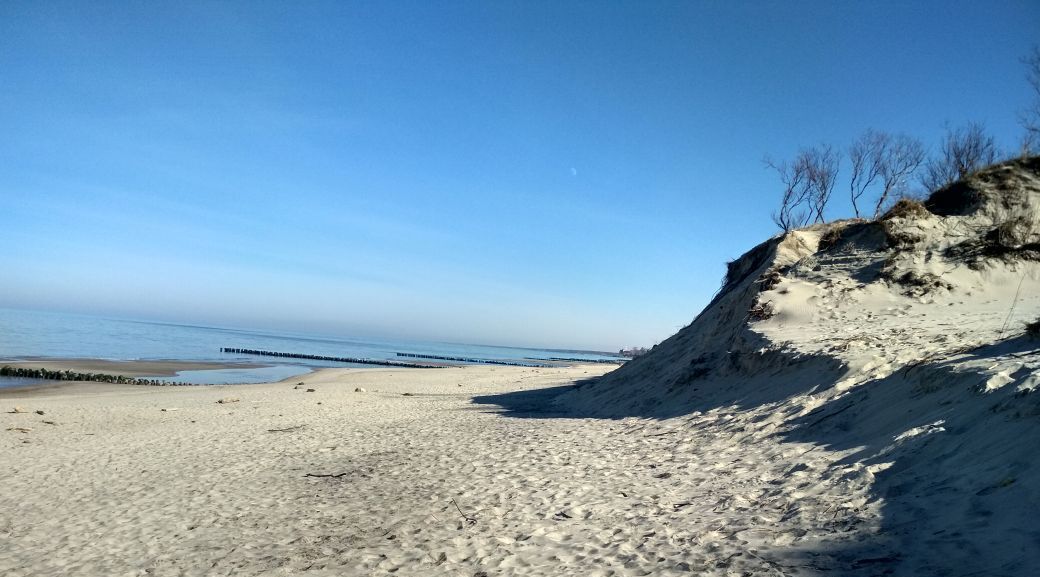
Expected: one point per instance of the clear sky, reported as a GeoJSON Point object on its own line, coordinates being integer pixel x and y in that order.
{"type": "Point", "coordinates": [525, 173]}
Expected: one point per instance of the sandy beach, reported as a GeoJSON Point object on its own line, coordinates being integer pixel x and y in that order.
{"type": "Point", "coordinates": [520, 289]}
{"type": "Point", "coordinates": [125, 480]}
{"type": "Point", "coordinates": [277, 480]}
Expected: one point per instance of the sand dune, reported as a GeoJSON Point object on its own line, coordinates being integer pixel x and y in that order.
{"type": "Point", "coordinates": [898, 350]}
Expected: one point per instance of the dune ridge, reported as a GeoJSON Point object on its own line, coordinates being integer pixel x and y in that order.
{"type": "Point", "coordinates": [897, 348]}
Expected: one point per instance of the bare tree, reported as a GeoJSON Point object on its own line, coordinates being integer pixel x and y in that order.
{"type": "Point", "coordinates": [1030, 117]}
{"type": "Point", "coordinates": [902, 157]}
{"type": "Point", "coordinates": [795, 179]}
{"type": "Point", "coordinates": [882, 159]}
{"type": "Point", "coordinates": [821, 164]}
{"type": "Point", "coordinates": [808, 184]}
{"type": "Point", "coordinates": [963, 151]}
{"type": "Point", "coordinates": [866, 156]}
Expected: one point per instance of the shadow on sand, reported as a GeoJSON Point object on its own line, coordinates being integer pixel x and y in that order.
{"type": "Point", "coordinates": [953, 491]}
{"type": "Point", "coordinates": [534, 403]}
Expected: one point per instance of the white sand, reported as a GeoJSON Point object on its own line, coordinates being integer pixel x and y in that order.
{"type": "Point", "coordinates": [118, 487]}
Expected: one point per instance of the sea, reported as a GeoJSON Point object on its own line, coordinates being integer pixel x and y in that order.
{"type": "Point", "coordinates": [37, 335]}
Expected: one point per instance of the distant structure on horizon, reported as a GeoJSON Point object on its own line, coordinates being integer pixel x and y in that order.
{"type": "Point", "coordinates": [633, 352]}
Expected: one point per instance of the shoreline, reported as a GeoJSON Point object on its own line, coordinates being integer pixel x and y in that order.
{"type": "Point", "coordinates": [135, 368]}
{"type": "Point", "coordinates": [273, 478]}
{"type": "Point", "coordinates": [45, 388]}
{"type": "Point", "coordinates": [30, 386]}
{"type": "Point", "coordinates": [166, 368]}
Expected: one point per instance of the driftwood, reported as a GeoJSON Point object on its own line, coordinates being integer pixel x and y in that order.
{"type": "Point", "coordinates": [331, 475]}
{"type": "Point", "coordinates": [287, 429]}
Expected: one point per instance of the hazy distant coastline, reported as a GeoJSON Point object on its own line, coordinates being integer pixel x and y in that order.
{"type": "Point", "coordinates": [194, 354]}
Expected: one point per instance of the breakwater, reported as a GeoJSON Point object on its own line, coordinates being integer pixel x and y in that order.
{"type": "Point", "coordinates": [476, 361]}
{"type": "Point", "coordinates": [601, 361]}
{"type": "Point", "coordinates": [46, 374]}
{"type": "Point", "coordinates": [356, 361]}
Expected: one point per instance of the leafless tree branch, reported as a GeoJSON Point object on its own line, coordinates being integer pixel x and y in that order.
{"type": "Point", "coordinates": [866, 156]}
{"type": "Point", "coordinates": [808, 184]}
{"type": "Point", "coordinates": [885, 160]}
{"type": "Point", "coordinates": [822, 165]}
{"type": "Point", "coordinates": [1030, 117]}
{"type": "Point", "coordinates": [903, 156]}
{"type": "Point", "coordinates": [796, 191]}
{"type": "Point", "coordinates": [963, 151]}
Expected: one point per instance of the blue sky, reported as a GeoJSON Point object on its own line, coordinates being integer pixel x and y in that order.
{"type": "Point", "coordinates": [523, 173]}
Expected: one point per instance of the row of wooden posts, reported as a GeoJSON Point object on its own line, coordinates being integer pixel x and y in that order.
{"type": "Point", "coordinates": [356, 361]}
{"type": "Point", "coordinates": [42, 373]}
{"type": "Point", "coordinates": [389, 363]}
{"type": "Point", "coordinates": [475, 361]}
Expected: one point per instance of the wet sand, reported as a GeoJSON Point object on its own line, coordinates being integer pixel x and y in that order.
{"type": "Point", "coordinates": [160, 368]}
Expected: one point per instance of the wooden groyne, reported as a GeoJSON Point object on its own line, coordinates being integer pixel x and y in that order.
{"type": "Point", "coordinates": [601, 361]}
{"type": "Point", "coordinates": [476, 361]}
{"type": "Point", "coordinates": [45, 374]}
{"type": "Point", "coordinates": [356, 361]}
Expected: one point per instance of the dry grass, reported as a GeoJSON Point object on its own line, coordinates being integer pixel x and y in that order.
{"type": "Point", "coordinates": [1033, 329]}
{"type": "Point", "coordinates": [761, 311]}
{"type": "Point", "coordinates": [914, 283]}
{"type": "Point", "coordinates": [769, 279]}
{"type": "Point", "coordinates": [830, 238]}
{"type": "Point", "coordinates": [906, 208]}
{"type": "Point", "coordinates": [901, 239]}
{"type": "Point", "coordinates": [1016, 233]}
{"type": "Point", "coordinates": [739, 269]}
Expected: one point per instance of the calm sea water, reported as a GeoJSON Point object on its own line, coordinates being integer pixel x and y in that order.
{"type": "Point", "coordinates": [62, 335]}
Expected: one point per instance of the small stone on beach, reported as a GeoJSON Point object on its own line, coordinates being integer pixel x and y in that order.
{"type": "Point", "coordinates": [360, 390]}
{"type": "Point", "coordinates": [39, 412]}
{"type": "Point", "coordinates": [310, 390]}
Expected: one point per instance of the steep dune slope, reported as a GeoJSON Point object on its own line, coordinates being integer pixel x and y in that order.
{"type": "Point", "coordinates": [899, 349]}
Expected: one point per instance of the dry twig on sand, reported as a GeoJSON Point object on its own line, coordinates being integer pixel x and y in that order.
{"type": "Point", "coordinates": [469, 520]}
{"type": "Point", "coordinates": [1012, 311]}
{"type": "Point", "coordinates": [287, 429]}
